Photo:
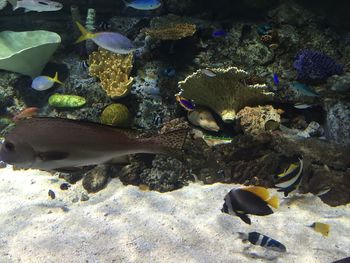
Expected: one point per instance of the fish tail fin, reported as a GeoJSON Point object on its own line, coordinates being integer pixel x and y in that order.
{"type": "Point", "coordinates": [173, 140]}
{"type": "Point", "coordinates": [169, 143]}
{"type": "Point", "coordinates": [85, 34]}
{"type": "Point", "coordinates": [55, 79]}
{"type": "Point", "coordinates": [242, 236]}
{"type": "Point", "coordinates": [274, 201]}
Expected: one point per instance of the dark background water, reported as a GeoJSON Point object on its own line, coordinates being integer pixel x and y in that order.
{"type": "Point", "coordinates": [335, 13]}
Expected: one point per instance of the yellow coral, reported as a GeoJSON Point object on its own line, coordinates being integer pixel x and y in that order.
{"type": "Point", "coordinates": [226, 92]}
{"type": "Point", "coordinates": [172, 31]}
{"type": "Point", "coordinates": [113, 70]}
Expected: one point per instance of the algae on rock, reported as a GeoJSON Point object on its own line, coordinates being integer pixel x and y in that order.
{"type": "Point", "coordinates": [226, 93]}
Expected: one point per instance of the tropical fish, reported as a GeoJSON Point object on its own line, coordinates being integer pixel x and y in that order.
{"type": "Point", "coordinates": [145, 5]}
{"type": "Point", "coordinates": [112, 41]}
{"type": "Point", "coordinates": [169, 72]}
{"type": "Point", "coordinates": [26, 113]}
{"type": "Point", "coordinates": [37, 5]}
{"type": "Point", "coordinates": [254, 200]}
{"type": "Point", "coordinates": [290, 179]}
{"type": "Point", "coordinates": [41, 83]}
{"type": "Point", "coordinates": [321, 228]}
{"type": "Point", "coordinates": [218, 33]}
{"type": "Point", "coordinates": [343, 260]}
{"type": "Point", "coordinates": [84, 65]}
{"type": "Point", "coordinates": [185, 103]}
{"type": "Point", "coordinates": [51, 194]}
{"type": "Point", "coordinates": [203, 118]}
{"type": "Point", "coordinates": [276, 79]}
{"type": "Point", "coordinates": [208, 72]}
{"type": "Point", "coordinates": [261, 240]}
{"type": "Point", "coordinates": [302, 106]}
{"type": "Point", "coordinates": [304, 89]}
{"type": "Point", "coordinates": [63, 144]}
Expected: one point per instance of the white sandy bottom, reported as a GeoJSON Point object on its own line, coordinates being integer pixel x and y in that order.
{"type": "Point", "coordinates": [123, 224]}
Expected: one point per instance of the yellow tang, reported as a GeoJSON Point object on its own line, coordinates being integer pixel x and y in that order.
{"type": "Point", "coordinates": [321, 228]}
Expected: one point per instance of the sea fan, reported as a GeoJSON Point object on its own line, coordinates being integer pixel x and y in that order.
{"type": "Point", "coordinates": [314, 65]}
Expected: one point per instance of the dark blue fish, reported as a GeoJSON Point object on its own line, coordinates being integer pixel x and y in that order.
{"type": "Point", "coordinates": [276, 79]}
{"type": "Point", "coordinates": [219, 33]}
{"type": "Point", "coordinates": [264, 241]}
{"type": "Point", "coordinates": [169, 72]}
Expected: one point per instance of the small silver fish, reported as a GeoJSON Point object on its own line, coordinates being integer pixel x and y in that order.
{"type": "Point", "coordinates": [208, 72]}
{"type": "Point", "coordinates": [37, 5]}
{"type": "Point", "coordinates": [302, 106]}
{"type": "Point", "coordinates": [145, 5]}
{"type": "Point", "coordinates": [58, 144]}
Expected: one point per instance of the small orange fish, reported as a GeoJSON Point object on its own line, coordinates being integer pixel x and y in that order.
{"type": "Point", "coordinates": [26, 113]}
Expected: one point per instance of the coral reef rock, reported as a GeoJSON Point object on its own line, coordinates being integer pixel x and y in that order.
{"type": "Point", "coordinates": [96, 179]}
{"type": "Point", "coordinates": [259, 119]}
{"type": "Point", "coordinates": [113, 70]}
{"type": "Point", "coordinates": [170, 28]}
{"type": "Point", "coordinates": [226, 93]}
{"type": "Point", "coordinates": [338, 123]}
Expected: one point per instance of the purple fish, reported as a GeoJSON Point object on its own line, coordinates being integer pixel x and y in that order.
{"type": "Point", "coordinates": [112, 41]}
{"type": "Point", "coordinates": [58, 144]}
{"type": "Point", "coordinates": [185, 103]}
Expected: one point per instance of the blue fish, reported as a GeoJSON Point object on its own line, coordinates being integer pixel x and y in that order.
{"type": "Point", "coordinates": [112, 41]}
{"type": "Point", "coordinates": [304, 89]}
{"type": "Point", "coordinates": [145, 5]}
{"type": "Point", "coordinates": [275, 79]}
{"type": "Point", "coordinates": [219, 33]}
{"type": "Point", "coordinates": [261, 240]}
{"type": "Point", "coordinates": [41, 83]}
{"type": "Point", "coordinates": [169, 72]}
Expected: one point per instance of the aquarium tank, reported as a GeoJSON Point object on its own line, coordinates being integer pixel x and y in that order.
{"type": "Point", "coordinates": [195, 131]}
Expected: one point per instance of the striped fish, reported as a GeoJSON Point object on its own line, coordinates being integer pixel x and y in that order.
{"type": "Point", "coordinates": [290, 179]}
{"type": "Point", "coordinates": [264, 241]}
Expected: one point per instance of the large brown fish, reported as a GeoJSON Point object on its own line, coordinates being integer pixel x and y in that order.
{"type": "Point", "coordinates": [57, 144]}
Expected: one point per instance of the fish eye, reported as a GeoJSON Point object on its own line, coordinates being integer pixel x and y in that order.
{"type": "Point", "coordinates": [9, 146]}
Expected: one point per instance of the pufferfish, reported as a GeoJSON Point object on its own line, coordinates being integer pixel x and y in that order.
{"type": "Point", "coordinates": [254, 200]}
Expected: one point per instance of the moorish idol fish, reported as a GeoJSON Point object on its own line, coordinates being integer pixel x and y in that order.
{"type": "Point", "coordinates": [261, 240]}
{"type": "Point", "coordinates": [254, 200]}
{"type": "Point", "coordinates": [290, 179]}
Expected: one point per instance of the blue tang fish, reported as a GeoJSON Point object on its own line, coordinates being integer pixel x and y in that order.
{"type": "Point", "coordinates": [112, 41]}
{"type": "Point", "coordinates": [41, 83]}
{"type": "Point", "coordinates": [143, 4]}
{"type": "Point", "coordinates": [218, 33]}
{"type": "Point", "coordinates": [276, 79]}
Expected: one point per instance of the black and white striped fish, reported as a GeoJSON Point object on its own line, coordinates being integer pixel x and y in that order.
{"type": "Point", "coordinates": [84, 65]}
{"type": "Point", "coordinates": [290, 179]}
{"type": "Point", "coordinates": [264, 241]}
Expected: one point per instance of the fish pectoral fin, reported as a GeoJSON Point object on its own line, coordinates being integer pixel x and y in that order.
{"type": "Point", "coordinates": [274, 201]}
{"type": "Point", "coordinates": [52, 156]}
{"type": "Point", "coordinates": [244, 218]}
{"type": "Point", "coordinates": [262, 192]}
